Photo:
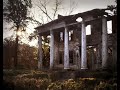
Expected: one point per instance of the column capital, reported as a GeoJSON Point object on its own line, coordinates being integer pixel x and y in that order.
{"type": "Point", "coordinates": [66, 27]}
{"type": "Point", "coordinates": [104, 16]}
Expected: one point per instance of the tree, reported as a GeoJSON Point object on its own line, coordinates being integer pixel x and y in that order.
{"type": "Point", "coordinates": [113, 8]}
{"type": "Point", "coordinates": [16, 11]}
{"type": "Point", "coordinates": [50, 8]}
{"type": "Point", "coordinates": [26, 54]}
{"type": "Point", "coordinates": [8, 52]}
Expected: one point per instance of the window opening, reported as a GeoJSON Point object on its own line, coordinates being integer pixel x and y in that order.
{"type": "Point", "coordinates": [70, 35]}
{"type": "Point", "coordinates": [88, 30]}
{"type": "Point", "coordinates": [109, 27]}
{"type": "Point", "coordinates": [71, 57]}
{"type": "Point", "coordinates": [61, 36]}
{"type": "Point", "coordinates": [60, 61]}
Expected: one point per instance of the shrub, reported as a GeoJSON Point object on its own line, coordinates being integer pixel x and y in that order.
{"type": "Point", "coordinates": [87, 83]}
{"type": "Point", "coordinates": [105, 86]}
{"type": "Point", "coordinates": [71, 84]}
{"type": "Point", "coordinates": [55, 86]}
{"type": "Point", "coordinates": [31, 83]}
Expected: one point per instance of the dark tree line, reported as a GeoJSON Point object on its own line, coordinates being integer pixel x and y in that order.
{"type": "Point", "coordinates": [16, 11]}
{"type": "Point", "coordinates": [8, 52]}
{"type": "Point", "coordinates": [27, 56]}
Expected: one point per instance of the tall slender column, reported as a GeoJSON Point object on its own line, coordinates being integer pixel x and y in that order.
{"type": "Point", "coordinates": [40, 52]}
{"type": "Point", "coordinates": [114, 53]}
{"type": "Point", "coordinates": [66, 49]}
{"type": "Point", "coordinates": [104, 42]}
{"type": "Point", "coordinates": [92, 59]}
{"type": "Point", "coordinates": [56, 48]}
{"type": "Point", "coordinates": [98, 58]}
{"type": "Point", "coordinates": [51, 49]}
{"type": "Point", "coordinates": [83, 47]}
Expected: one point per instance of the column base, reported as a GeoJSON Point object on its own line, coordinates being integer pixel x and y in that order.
{"type": "Point", "coordinates": [84, 68]}
{"type": "Point", "coordinates": [66, 68]}
{"type": "Point", "coordinates": [51, 67]}
{"type": "Point", "coordinates": [104, 68]}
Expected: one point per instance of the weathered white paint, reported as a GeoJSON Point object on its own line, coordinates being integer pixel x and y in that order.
{"type": "Point", "coordinates": [51, 49]}
{"type": "Point", "coordinates": [104, 42]}
{"type": "Point", "coordinates": [40, 52]}
{"type": "Point", "coordinates": [66, 49]}
{"type": "Point", "coordinates": [83, 47]}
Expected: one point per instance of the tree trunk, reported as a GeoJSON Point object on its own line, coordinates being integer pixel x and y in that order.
{"type": "Point", "coordinates": [16, 51]}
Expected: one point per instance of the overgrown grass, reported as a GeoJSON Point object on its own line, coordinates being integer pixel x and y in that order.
{"type": "Point", "coordinates": [43, 80]}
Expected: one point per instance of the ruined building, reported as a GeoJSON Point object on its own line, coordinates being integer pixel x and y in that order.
{"type": "Point", "coordinates": [71, 48]}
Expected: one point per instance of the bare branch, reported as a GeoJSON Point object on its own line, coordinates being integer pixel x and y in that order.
{"type": "Point", "coordinates": [44, 12]}
{"type": "Point", "coordinates": [57, 4]}
{"type": "Point", "coordinates": [42, 19]}
{"type": "Point", "coordinates": [43, 8]}
{"type": "Point", "coordinates": [72, 7]}
{"type": "Point", "coordinates": [31, 19]}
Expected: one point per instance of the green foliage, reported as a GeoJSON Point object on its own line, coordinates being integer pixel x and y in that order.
{"type": "Point", "coordinates": [71, 84]}
{"type": "Point", "coordinates": [31, 83]}
{"type": "Point", "coordinates": [16, 11]}
{"type": "Point", "coordinates": [25, 54]}
{"type": "Point", "coordinates": [88, 83]}
{"type": "Point", "coordinates": [55, 86]}
{"type": "Point", "coordinates": [46, 51]}
{"type": "Point", "coordinates": [13, 72]}
{"type": "Point", "coordinates": [31, 80]}
{"type": "Point", "coordinates": [106, 86]}
{"type": "Point", "coordinates": [39, 80]}
{"type": "Point", "coordinates": [8, 52]}
{"type": "Point", "coordinates": [113, 8]}
{"type": "Point", "coordinates": [36, 76]}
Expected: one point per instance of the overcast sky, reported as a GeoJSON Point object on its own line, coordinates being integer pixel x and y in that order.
{"type": "Point", "coordinates": [84, 5]}
{"type": "Point", "coordinates": [79, 6]}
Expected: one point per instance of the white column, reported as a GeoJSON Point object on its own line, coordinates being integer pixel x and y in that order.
{"type": "Point", "coordinates": [40, 52]}
{"type": "Point", "coordinates": [83, 47]}
{"type": "Point", "coordinates": [104, 42]}
{"type": "Point", "coordinates": [66, 49]}
{"type": "Point", "coordinates": [51, 49]}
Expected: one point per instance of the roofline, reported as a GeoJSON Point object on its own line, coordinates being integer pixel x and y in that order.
{"type": "Point", "coordinates": [79, 14]}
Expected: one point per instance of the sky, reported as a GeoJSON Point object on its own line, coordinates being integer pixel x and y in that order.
{"type": "Point", "coordinates": [78, 5]}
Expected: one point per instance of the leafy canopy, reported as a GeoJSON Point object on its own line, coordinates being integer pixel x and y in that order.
{"type": "Point", "coordinates": [16, 11]}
